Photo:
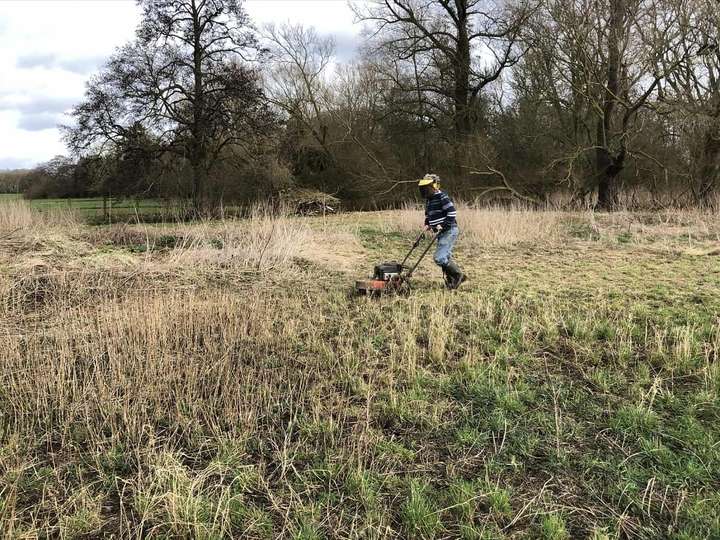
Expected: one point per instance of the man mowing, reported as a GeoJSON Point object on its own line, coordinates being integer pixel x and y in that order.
{"type": "Point", "coordinates": [440, 217]}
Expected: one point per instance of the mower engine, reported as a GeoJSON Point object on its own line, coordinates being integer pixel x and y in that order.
{"type": "Point", "coordinates": [387, 270]}
{"type": "Point", "coordinates": [387, 277]}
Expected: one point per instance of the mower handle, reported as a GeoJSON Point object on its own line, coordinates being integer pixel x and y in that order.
{"type": "Point", "coordinates": [415, 245]}
{"type": "Point", "coordinates": [422, 255]}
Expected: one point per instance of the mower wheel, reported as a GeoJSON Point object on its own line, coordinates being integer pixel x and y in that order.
{"type": "Point", "coordinates": [399, 285]}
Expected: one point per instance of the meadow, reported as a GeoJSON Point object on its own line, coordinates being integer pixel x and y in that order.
{"type": "Point", "coordinates": [94, 210]}
{"type": "Point", "coordinates": [217, 380]}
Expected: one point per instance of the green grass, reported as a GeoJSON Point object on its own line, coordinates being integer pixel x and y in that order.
{"type": "Point", "coordinates": [569, 390]}
{"type": "Point", "coordinates": [92, 208]}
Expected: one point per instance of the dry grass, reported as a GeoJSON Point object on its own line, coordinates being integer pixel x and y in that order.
{"type": "Point", "coordinates": [697, 224]}
{"type": "Point", "coordinates": [488, 226]}
{"type": "Point", "coordinates": [266, 239]}
{"type": "Point", "coordinates": [262, 241]}
{"type": "Point", "coordinates": [24, 231]}
{"type": "Point", "coordinates": [213, 380]}
{"type": "Point", "coordinates": [17, 215]}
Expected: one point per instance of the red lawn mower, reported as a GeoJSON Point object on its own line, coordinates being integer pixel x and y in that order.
{"type": "Point", "coordinates": [393, 277]}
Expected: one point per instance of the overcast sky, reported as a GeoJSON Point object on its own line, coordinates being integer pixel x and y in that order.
{"type": "Point", "coordinates": [50, 47]}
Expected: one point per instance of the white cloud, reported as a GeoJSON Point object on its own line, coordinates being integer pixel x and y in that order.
{"type": "Point", "coordinates": [35, 60]}
{"type": "Point", "coordinates": [327, 16]}
{"type": "Point", "coordinates": [81, 65]}
{"type": "Point", "coordinates": [50, 48]}
{"type": "Point", "coordinates": [24, 148]}
{"type": "Point", "coordinates": [36, 104]}
{"type": "Point", "coordinates": [39, 121]}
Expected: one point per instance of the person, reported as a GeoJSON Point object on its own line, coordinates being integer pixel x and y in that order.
{"type": "Point", "coordinates": [441, 217]}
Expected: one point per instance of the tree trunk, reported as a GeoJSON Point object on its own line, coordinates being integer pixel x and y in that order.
{"type": "Point", "coordinates": [710, 165]}
{"type": "Point", "coordinates": [607, 182]}
{"type": "Point", "coordinates": [198, 187]}
{"type": "Point", "coordinates": [461, 92]}
{"type": "Point", "coordinates": [199, 150]}
{"type": "Point", "coordinates": [608, 167]}
{"type": "Point", "coordinates": [424, 155]}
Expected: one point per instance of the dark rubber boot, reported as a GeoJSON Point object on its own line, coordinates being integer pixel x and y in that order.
{"type": "Point", "coordinates": [447, 277]}
{"type": "Point", "coordinates": [456, 275]}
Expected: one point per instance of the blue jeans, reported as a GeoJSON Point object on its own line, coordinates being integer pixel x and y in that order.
{"type": "Point", "coordinates": [445, 244]}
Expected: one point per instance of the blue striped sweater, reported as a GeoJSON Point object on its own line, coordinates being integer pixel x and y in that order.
{"type": "Point", "coordinates": [439, 210]}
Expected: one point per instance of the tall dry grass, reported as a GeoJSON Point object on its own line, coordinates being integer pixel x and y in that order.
{"type": "Point", "coordinates": [28, 233]}
{"type": "Point", "coordinates": [32, 243]}
{"type": "Point", "coordinates": [186, 397]}
{"type": "Point", "coordinates": [489, 226]}
{"type": "Point", "coordinates": [19, 216]}
{"type": "Point", "coordinates": [263, 240]}
{"type": "Point", "coordinates": [51, 257]}
{"type": "Point", "coordinates": [267, 238]}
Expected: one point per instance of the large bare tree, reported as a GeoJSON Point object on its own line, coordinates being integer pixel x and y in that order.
{"type": "Point", "coordinates": [448, 51]}
{"type": "Point", "coordinates": [604, 62]}
{"type": "Point", "coordinates": [298, 81]}
{"type": "Point", "coordinates": [335, 112]}
{"type": "Point", "coordinates": [186, 79]}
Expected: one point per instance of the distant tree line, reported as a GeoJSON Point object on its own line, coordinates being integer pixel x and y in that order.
{"type": "Point", "coordinates": [12, 181]}
{"type": "Point", "coordinates": [593, 102]}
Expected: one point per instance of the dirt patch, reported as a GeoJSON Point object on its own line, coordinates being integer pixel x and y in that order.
{"type": "Point", "coordinates": [338, 251]}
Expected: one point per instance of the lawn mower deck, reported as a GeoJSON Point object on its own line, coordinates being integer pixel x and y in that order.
{"type": "Point", "coordinates": [392, 277]}
{"type": "Point", "coordinates": [387, 277]}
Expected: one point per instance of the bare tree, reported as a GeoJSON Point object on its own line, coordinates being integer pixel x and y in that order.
{"type": "Point", "coordinates": [448, 50]}
{"type": "Point", "coordinates": [607, 61]}
{"type": "Point", "coordinates": [186, 79]}
{"type": "Point", "coordinates": [692, 91]}
{"type": "Point", "coordinates": [336, 106]}
{"type": "Point", "coordinates": [299, 76]}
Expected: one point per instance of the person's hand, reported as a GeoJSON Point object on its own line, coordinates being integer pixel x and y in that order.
{"type": "Point", "coordinates": [439, 229]}
{"type": "Point", "coordinates": [426, 228]}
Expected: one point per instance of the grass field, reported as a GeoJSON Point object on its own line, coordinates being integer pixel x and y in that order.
{"type": "Point", "coordinates": [215, 380]}
{"type": "Point", "coordinates": [92, 209]}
